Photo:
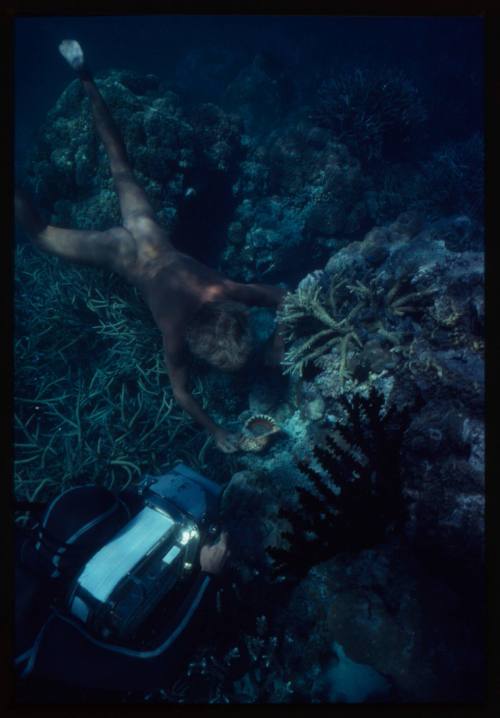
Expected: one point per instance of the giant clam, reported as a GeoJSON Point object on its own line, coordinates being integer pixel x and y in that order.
{"type": "Point", "coordinates": [257, 432]}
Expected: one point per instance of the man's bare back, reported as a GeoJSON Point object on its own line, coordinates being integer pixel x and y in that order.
{"type": "Point", "coordinates": [174, 285]}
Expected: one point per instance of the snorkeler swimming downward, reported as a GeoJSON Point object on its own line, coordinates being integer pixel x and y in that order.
{"type": "Point", "coordinates": [194, 307]}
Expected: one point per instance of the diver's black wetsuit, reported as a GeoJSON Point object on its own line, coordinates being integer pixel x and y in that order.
{"type": "Point", "coordinates": [55, 657]}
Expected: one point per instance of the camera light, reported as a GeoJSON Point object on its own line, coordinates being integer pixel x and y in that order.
{"type": "Point", "coordinates": [185, 537]}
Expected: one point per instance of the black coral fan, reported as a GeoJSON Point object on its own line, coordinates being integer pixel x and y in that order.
{"type": "Point", "coordinates": [359, 497]}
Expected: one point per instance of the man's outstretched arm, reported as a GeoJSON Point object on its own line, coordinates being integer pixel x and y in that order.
{"type": "Point", "coordinates": [256, 295]}
{"type": "Point", "coordinates": [178, 375]}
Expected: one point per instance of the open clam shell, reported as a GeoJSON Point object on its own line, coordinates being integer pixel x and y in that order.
{"type": "Point", "coordinates": [257, 432]}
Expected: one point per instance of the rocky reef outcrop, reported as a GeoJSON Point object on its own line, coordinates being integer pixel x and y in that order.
{"type": "Point", "coordinates": [401, 312]}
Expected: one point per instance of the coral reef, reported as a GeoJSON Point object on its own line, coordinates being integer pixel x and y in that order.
{"type": "Point", "coordinates": [303, 305]}
{"type": "Point", "coordinates": [374, 112]}
{"type": "Point", "coordinates": [418, 311]}
{"type": "Point", "coordinates": [384, 355]}
{"type": "Point", "coordinates": [316, 319]}
{"type": "Point", "coordinates": [452, 179]}
{"type": "Point", "coordinates": [280, 201]}
{"type": "Point", "coordinates": [358, 494]}
{"type": "Point", "coordinates": [389, 613]}
{"type": "Point", "coordinates": [291, 214]}
{"type": "Point", "coordinates": [92, 401]}
{"type": "Point", "coordinates": [421, 326]}
{"type": "Point", "coordinates": [260, 93]}
{"type": "Point", "coordinates": [178, 158]}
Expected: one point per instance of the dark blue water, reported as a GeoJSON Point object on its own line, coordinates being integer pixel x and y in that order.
{"type": "Point", "coordinates": [443, 56]}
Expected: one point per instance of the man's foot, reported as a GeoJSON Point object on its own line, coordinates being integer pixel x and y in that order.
{"type": "Point", "coordinates": [72, 53]}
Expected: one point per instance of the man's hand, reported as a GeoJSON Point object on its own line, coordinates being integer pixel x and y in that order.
{"type": "Point", "coordinates": [213, 558]}
{"type": "Point", "coordinates": [225, 441]}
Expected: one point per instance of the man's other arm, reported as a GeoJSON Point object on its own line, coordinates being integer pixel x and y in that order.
{"type": "Point", "coordinates": [257, 295]}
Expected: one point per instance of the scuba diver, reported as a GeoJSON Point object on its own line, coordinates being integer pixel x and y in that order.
{"type": "Point", "coordinates": [113, 591]}
{"type": "Point", "coordinates": [195, 307]}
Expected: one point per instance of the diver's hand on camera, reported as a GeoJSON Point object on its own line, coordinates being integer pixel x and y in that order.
{"type": "Point", "coordinates": [213, 558]}
{"type": "Point", "coordinates": [225, 441]}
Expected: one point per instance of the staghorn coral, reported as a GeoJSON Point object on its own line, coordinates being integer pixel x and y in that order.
{"type": "Point", "coordinates": [91, 398]}
{"type": "Point", "coordinates": [307, 303]}
{"type": "Point", "coordinates": [315, 318]}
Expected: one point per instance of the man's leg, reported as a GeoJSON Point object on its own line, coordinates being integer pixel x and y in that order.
{"type": "Point", "coordinates": [113, 249]}
{"type": "Point", "coordinates": [134, 204]}
{"type": "Point", "coordinates": [133, 199]}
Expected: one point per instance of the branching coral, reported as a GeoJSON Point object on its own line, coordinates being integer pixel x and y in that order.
{"type": "Point", "coordinates": [315, 320]}
{"type": "Point", "coordinates": [373, 112]}
{"type": "Point", "coordinates": [452, 179]}
{"type": "Point", "coordinates": [308, 303]}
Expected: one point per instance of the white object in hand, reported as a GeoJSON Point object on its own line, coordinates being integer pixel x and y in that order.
{"type": "Point", "coordinates": [72, 53]}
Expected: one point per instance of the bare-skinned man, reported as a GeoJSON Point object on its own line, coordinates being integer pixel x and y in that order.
{"type": "Point", "coordinates": [196, 308]}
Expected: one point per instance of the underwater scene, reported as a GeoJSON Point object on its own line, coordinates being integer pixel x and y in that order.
{"type": "Point", "coordinates": [249, 323]}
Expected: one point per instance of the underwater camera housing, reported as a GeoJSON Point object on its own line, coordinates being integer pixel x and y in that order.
{"type": "Point", "coordinates": [125, 580]}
